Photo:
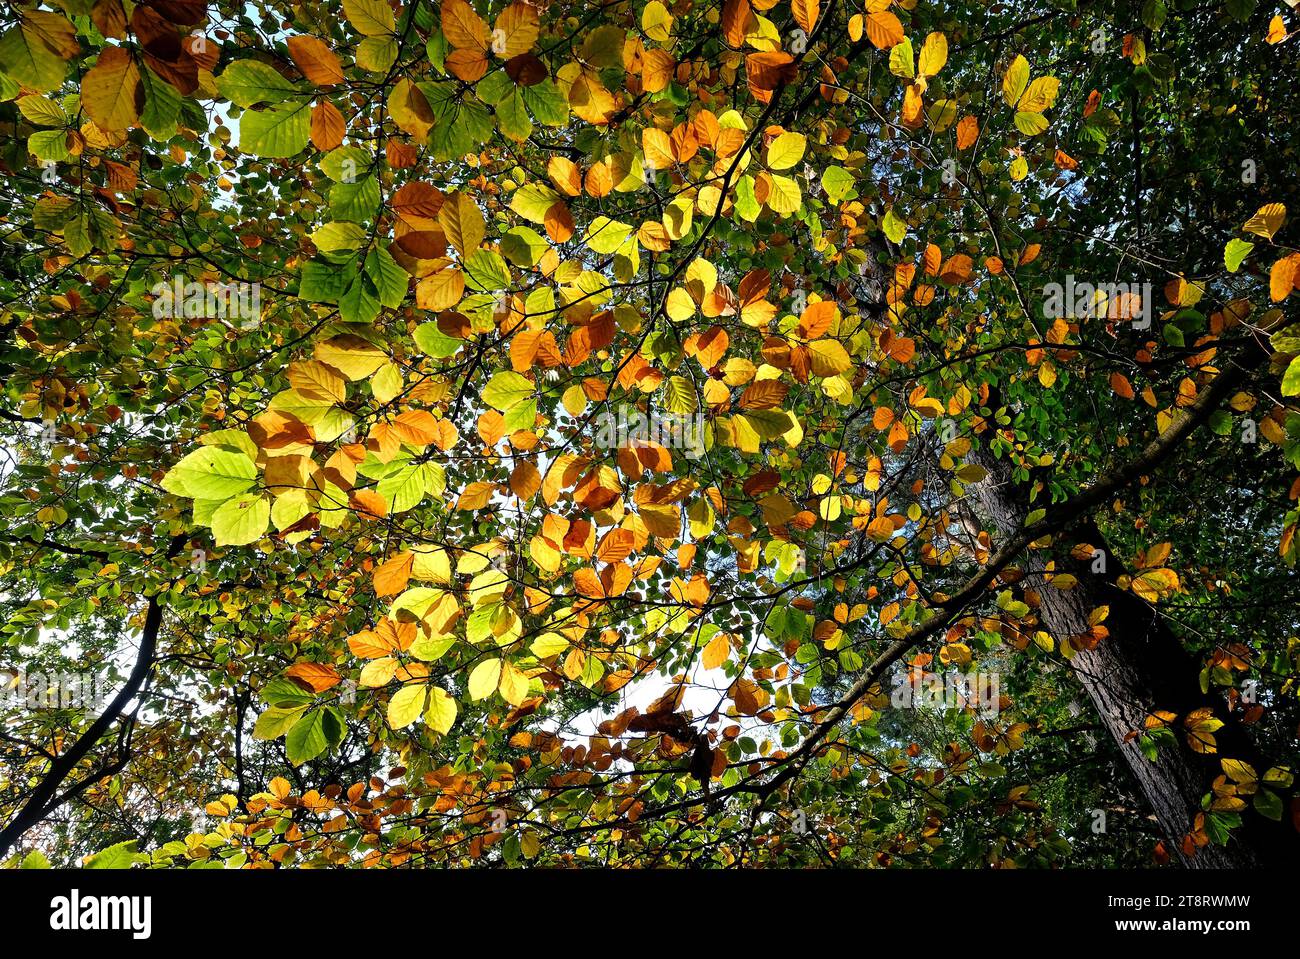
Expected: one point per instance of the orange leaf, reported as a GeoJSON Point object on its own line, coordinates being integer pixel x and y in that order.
{"type": "Point", "coordinates": [315, 676]}
{"type": "Point", "coordinates": [884, 29]}
{"type": "Point", "coordinates": [392, 576]}
{"type": "Point", "coordinates": [615, 546]}
{"type": "Point", "coordinates": [816, 320]}
{"type": "Point", "coordinates": [763, 395]}
{"type": "Point", "coordinates": [476, 496]}
{"type": "Point", "coordinates": [525, 480]}
{"type": "Point", "coordinates": [968, 131]}
{"type": "Point", "coordinates": [716, 652]}
{"type": "Point", "coordinates": [327, 126]}
{"type": "Point", "coordinates": [566, 176]}
{"type": "Point", "coordinates": [806, 13]}
{"type": "Point", "coordinates": [316, 60]}
{"type": "Point", "coordinates": [462, 27]}
{"type": "Point", "coordinates": [416, 427]}
{"type": "Point", "coordinates": [367, 502]}
{"type": "Point", "coordinates": [737, 20]}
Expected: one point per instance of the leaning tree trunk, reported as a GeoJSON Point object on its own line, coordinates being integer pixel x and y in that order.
{"type": "Point", "coordinates": [1139, 668]}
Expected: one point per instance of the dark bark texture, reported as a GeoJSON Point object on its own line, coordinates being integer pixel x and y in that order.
{"type": "Point", "coordinates": [1140, 667]}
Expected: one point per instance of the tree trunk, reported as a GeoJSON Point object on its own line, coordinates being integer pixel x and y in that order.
{"type": "Point", "coordinates": [1140, 667]}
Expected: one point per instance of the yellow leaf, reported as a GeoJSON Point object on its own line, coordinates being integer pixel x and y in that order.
{"type": "Point", "coordinates": [463, 223]}
{"type": "Point", "coordinates": [516, 31]}
{"type": "Point", "coordinates": [111, 91]}
{"type": "Point", "coordinates": [513, 685]}
{"type": "Point", "coordinates": [1015, 80]}
{"type": "Point", "coordinates": [406, 706]}
{"type": "Point", "coordinates": [441, 713]}
{"type": "Point", "coordinates": [484, 678]}
{"type": "Point", "coordinates": [786, 150]}
{"type": "Point", "coordinates": [1267, 220]}
{"type": "Point", "coordinates": [1155, 584]}
{"type": "Point", "coordinates": [934, 54]}
{"type": "Point", "coordinates": [656, 21]}
{"type": "Point", "coordinates": [1040, 95]}
{"type": "Point", "coordinates": [372, 18]}
{"type": "Point", "coordinates": [378, 672]}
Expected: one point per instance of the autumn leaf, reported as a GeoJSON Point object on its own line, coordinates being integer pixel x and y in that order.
{"type": "Point", "coordinates": [392, 576]}
{"type": "Point", "coordinates": [316, 60]}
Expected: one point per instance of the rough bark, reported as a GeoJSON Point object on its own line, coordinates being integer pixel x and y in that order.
{"type": "Point", "coordinates": [1140, 667]}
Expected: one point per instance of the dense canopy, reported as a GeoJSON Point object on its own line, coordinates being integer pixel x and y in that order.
{"type": "Point", "coordinates": [758, 433]}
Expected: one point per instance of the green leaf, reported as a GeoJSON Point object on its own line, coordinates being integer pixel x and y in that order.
{"type": "Point", "coordinates": [323, 282]}
{"type": "Point", "coordinates": [1269, 804]}
{"type": "Point", "coordinates": [211, 473]}
{"type": "Point", "coordinates": [307, 739]}
{"type": "Point", "coordinates": [162, 106]}
{"type": "Point", "coordinates": [486, 270]}
{"type": "Point", "coordinates": [280, 131]}
{"type": "Point", "coordinates": [42, 111]}
{"type": "Point", "coordinates": [390, 280]}
{"type": "Point", "coordinates": [505, 389]}
{"type": "Point", "coordinates": [242, 520]}
{"type": "Point", "coordinates": [275, 721]}
{"type": "Point", "coordinates": [372, 18]}
{"type": "Point", "coordinates": [358, 304]}
{"type": "Point", "coordinates": [249, 82]}
{"type": "Point", "coordinates": [547, 103]}
{"type": "Point", "coordinates": [523, 246]}
{"type": "Point", "coordinates": [837, 182]}
{"type": "Point", "coordinates": [679, 396]}
{"type": "Point", "coordinates": [1234, 252]}
{"type": "Point", "coordinates": [605, 235]}
{"type": "Point", "coordinates": [512, 117]}
{"type": "Point", "coordinates": [436, 343]}
{"type": "Point", "coordinates": [532, 200]}
{"type": "Point", "coordinates": [895, 227]}
{"type": "Point", "coordinates": [406, 488]}
{"type": "Point", "coordinates": [283, 691]}
{"type": "Point", "coordinates": [1291, 379]}
{"type": "Point", "coordinates": [49, 145]}
{"type": "Point", "coordinates": [359, 201]}
{"type": "Point", "coordinates": [119, 856]}
{"type": "Point", "coordinates": [29, 61]}
{"type": "Point", "coordinates": [345, 163]}
{"type": "Point", "coordinates": [334, 236]}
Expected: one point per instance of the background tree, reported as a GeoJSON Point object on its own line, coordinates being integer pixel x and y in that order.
{"type": "Point", "coordinates": [322, 338]}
